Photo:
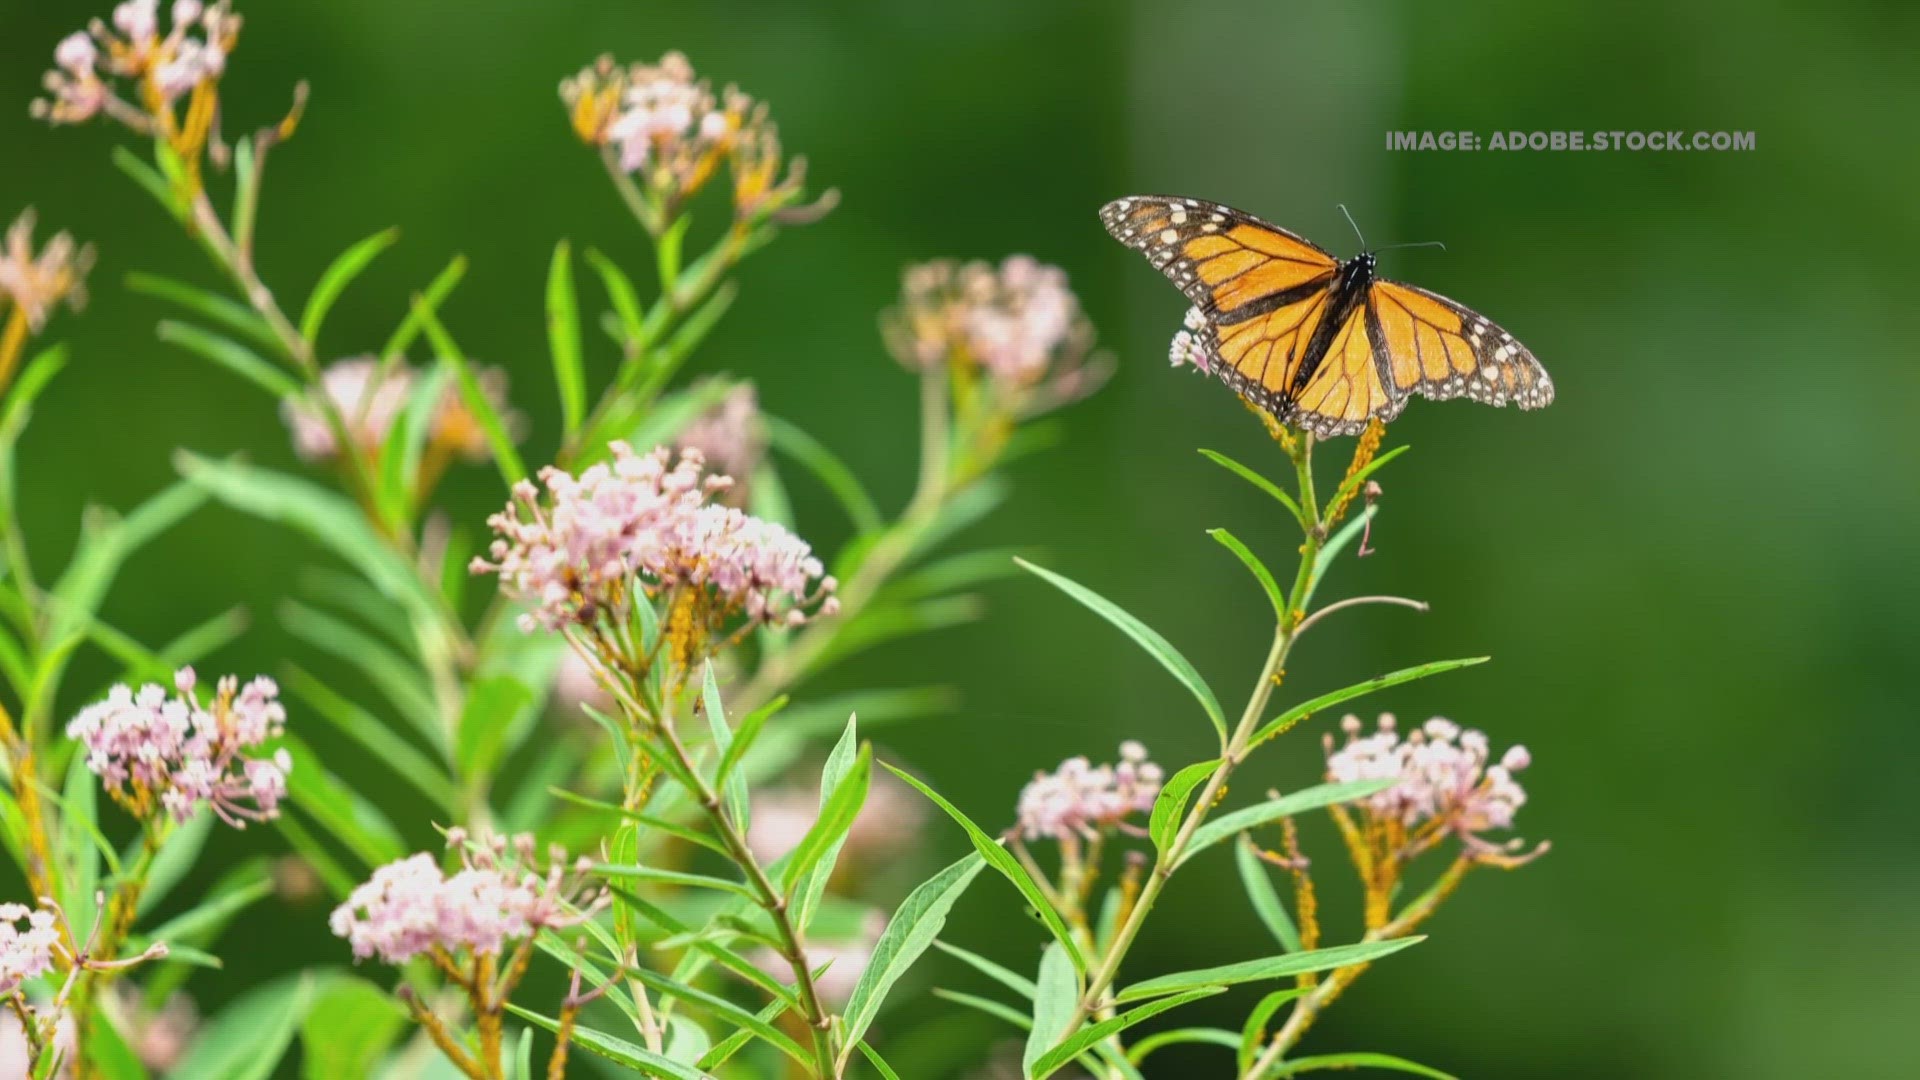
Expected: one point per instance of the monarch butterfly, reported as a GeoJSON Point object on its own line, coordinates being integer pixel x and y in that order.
{"type": "Point", "coordinates": [1321, 344]}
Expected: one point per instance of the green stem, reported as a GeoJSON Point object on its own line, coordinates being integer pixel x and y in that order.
{"type": "Point", "coordinates": [1238, 744]}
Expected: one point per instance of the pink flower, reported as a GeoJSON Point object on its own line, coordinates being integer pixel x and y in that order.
{"type": "Point", "coordinates": [1020, 323]}
{"type": "Point", "coordinates": [193, 53]}
{"type": "Point", "coordinates": [1443, 773]}
{"type": "Point", "coordinates": [26, 952]}
{"type": "Point", "coordinates": [35, 284]}
{"type": "Point", "coordinates": [1187, 349]}
{"type": "Point", "coordinates": [146, 745]}
{"type": "Point", "coordinates": [1078, 799]}
{"type": "Point", "coordinates": [643, 522]}
{"type": "Point", "coordinates": [371, 397]}
{"type": "Point", "coordinates": [731, 437]}
{"type": "Point", "coordinates": [411, 907]}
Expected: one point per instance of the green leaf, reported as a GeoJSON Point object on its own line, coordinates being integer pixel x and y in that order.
{"type": "Point", "coordinates": [249, 1037]}
{"type": "Point", "coordinates": [1254, 1031]}
{"type": "Point", "coordinates": [843, 791]}
{"type": "Point", "coordinates": [1057, 992]}
{"type": "Point", "coordinates": [1171, 805]}
{"type": "Point", "coordinates": [675, 877]}
{"type": "Point", "coordinates": [1260, 572]}
{"type": "Point", "coordinates": [986, 1005]}
{"type": "Point", "coordinates": [724, 1050]}
{"type": "Point", "coordinates": [174, 860]}
{"type": "Point", "coordinates": [327, 517]}
{"type": "Point", "coordinates": [1356, 1061]}
{"type": "Point", "coordinates": [1352, 483]}
{"type": "Point", "coordinates": [1084, 1039]}
{"type": "Point", "coordinates": [436, 294]}
{"type": "Point", "coordinates": [1289, 805]}
{"type": "Point", "coordinates": [108, 1052]}
{"type": "Point", "coordinates": [1266, 901]}
{"type": "Point", "coordinates": [617, 1050]}
{"type": "Point", "coordinates": [1381, 682]}
{"type": "Point", "coordinates": [473, 395]}
{"type": "Point", "coordinates": [1207, 1036]}
{"type": "Point", "coordinates": [733, 1014]}
{"type": "Point", "coordinates": [914, 926]}
{"type": "Point", "coordinates": [150, 180]}
{"type": "Point", "coordinates": [1331, 550]}
{"type": "Point", "coordinates": [830, 828]}
{"type": "Point", "coordinates": [792, 440]}
{"type": "Point", "coordinates": [733, 787]}
{"type": "Point", "coordinates": [339, 810]}
{"type": "Point", "coordinates": [26, 390]}
{"type": "Point", "coordinates": [648, 820]}
{"type": "Point", "coordinates": [395, 676]}
{"type": "Point", "coordinates": [348, 1029]}
{"type": "Point", "coordinates": [79, 835]}
{"type": "Point", "coordinates": [1006, 977]}
{"type": "Point", "coordinates": [1271, 967]}
{"type": "Point", "coordinates": [879, 1063]}
{"type": "Point", "coordinates": [214, 911]}
{"type": "Point", "coordinates": [382, 744]}
{"type": "Point", "coordinates": [406, 445]}
{"type": "Point", "coordinates": [492, 703]}
{"type": "Point", "coordinates": [1258, 481]}
{"type": "Point", "coordinates": [621, 294]}
{"type": "Point", "coordinates": [337, 276]}
{"type": "Point", "coordinates": [1000, 859]}
{"type": "Point", "coordinates": [234, 316]}
{"type": "Point", "coordinates": [742, 741]}
{"type": "Point", "coordinates": [1143, 635]}
{"type": "Point", "coordinates": [563, 338]}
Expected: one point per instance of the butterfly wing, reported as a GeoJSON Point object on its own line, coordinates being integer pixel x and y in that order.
{"type": "Point", "coordinates": [1348, 387]}
{"type": "Point", "coordinates": [1428, 345]}
{"type": "Point", "coordinates": [1260, 290]}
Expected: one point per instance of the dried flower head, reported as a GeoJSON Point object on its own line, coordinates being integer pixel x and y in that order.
{"type": "Point", "coordinates": [26, 951]}
{"type": "Point", "coordinates": [1445, 784]}
{"type": "Point", "coordinates": [731, 437]}
{"type": "Point", "coordinates": [1079, 799]}
{"type": "Point", "coordinates": [643, 524]}
{"type": "Point", "coordinates": [371, 396]}
{"type": "Point", "coordinates": [666, 127]}
{"type": "Point", "coordinates": [497, 896]}
{"type": "Point", "coordinates": [34, 284]}
{"type": "Point", "coordinates": [160, 69]}
{"type": "Point", "coordinates": [155, 750]}
{"type": "Point", "coordinates": [1019, 323]}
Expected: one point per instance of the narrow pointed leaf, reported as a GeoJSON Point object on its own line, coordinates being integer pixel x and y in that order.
{"type": "Point", "coordinates": [914, 926]}
{"type": "Point", "coordinates": [734, 787]}
{"type": "Point", "coordinates": [563, 338]}
{"type": "Point", "coordinates": [1260, 572]}
{"type": "Point", "coordinates": [473, 395]}
{"type": "Point", "coordinates": [436, 294]}
{"type": "Point", "coordinates": [235, 316]}
{"type": "Point", "coordinates": [1254, 1032]}
{"type": "Point", "coordinates": [1008, 866]}
{"type": "Point", "coordinates": [232, 355]}
{"type": "Point", "coordinates": [1171, 804]}
{"type": "Point", "coordinates": [1145, 636]}
{"type": "Point", "coordinates": [1056, 992]}
{"type": "Point", "coordinates": [1266, 901]}
{"type": "Point", "coordinates": [1205, 1036]}
{"type": "Point", "coordinates": [617, 1050]}
{"type": "Point", "coordinates": [335, 279]}
{"type": "Point", "coordinates": [1381, 682]}
{"type": "Point", "coordinates": [1084, 1039]}
{"type": "Point", "coordinates": [1006, 977]}
{"type": "Point", "coordinates": [1356, 1061]}
{"type": "Point", "coordinates": [1258, 481]}
{"type": "Point", "coordinates": [1298, 802]}
{"type": "Point", "coordinates": [1272, 967]}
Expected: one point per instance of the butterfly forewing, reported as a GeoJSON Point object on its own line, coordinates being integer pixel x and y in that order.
{"type": "Point", "coordinates": [1225, 261]}
{"type": "Point", "coordinates": [1436, 348]}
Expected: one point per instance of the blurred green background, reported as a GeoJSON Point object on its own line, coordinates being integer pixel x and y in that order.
{"type": "Point", "coordinates": [1693, 571]}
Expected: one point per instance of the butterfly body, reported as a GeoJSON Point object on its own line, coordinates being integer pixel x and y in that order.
{"type": "Point", "coordinates": [1322, 344]}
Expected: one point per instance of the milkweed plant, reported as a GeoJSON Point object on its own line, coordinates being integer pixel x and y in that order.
{"type": "Point", "coordinates": [651, 847]}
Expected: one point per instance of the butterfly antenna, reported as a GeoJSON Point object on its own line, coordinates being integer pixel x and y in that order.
{"type": "Point", "coordinates": [1356, 227]}
{"type": "Point", "coordinates": [1416, 243]}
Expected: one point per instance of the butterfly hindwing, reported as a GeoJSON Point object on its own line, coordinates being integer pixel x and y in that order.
{"type": "Point", "coordinates": [1434, 347]}
{"type": "Point", "coordinates": [1348, 387]}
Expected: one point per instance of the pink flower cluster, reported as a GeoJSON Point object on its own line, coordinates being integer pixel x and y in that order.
{"type": "Point", "coordinates": [1186, 348]}
{"type": "Point", "coordinates": [1079, 799]}
{"type": "Point", "coordinates": [731, 436]}
{"type": "Point", "coordinates": [665, 113]}
{"type": "Point", "coordinates": [34, 284]}
{"type": "Point", "coordinates": [411, 907]}
{"type": "Point", "coordinates": [193, 52]}
{"type": "Point", "coordinates": [1017, 322]}
{"type": "Point", "coordinates": [644, 521]}
{"type": "Point", "coordinates": [1442, 771]}
{"type": "Point", "coordinates": [145, 744]}
{"type": "Point", "coordinates": [371, 401]}
{"type": "Point", "coordinates": [26, 953]}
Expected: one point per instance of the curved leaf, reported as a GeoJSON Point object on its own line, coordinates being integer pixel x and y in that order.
{"type": "Point", "coordinates": [1145, 636]}
{"type": "Point", "coordinates": [1258, 481]}
{"type": "Point", "coordinates": [914, 926]}
{"type": "Point", "coordinates": [1171, 803]}
{"type": "Point", "coordinates": [337, 276]}
{"type": "Point", "coordinates": [1356, 1061]}
{"type": "Point", "coordinates": [1380, 682]}
{"type": "Point", "coordinates": [1057, 992]}
{"type": "Point", "coordinates": [563, 338]}
{"type": "Point", "coordinates": [1260, 572]}
{"type": "Point", "coordinates": [1086, 1037]}
{"type": "Point", "coordinates": [1271, 967]}
{"type": "Point", "coordinates": [1298, 802]}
